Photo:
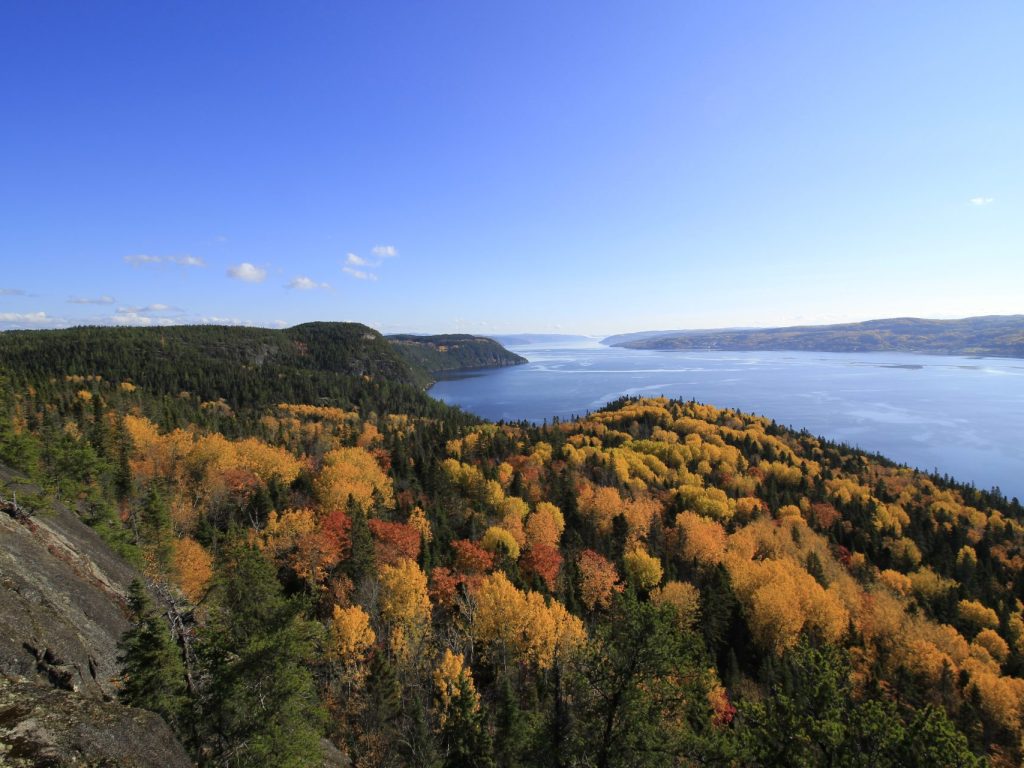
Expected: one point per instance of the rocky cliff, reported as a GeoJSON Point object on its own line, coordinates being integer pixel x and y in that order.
{"type": "Point", "coordinates": [62, 612]}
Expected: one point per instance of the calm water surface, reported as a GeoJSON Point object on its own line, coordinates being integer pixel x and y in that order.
{"type": "Point", "coordinates": [962, 416]}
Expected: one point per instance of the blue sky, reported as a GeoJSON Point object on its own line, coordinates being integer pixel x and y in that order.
{"type": "Point", "coordinates": [498, 167]}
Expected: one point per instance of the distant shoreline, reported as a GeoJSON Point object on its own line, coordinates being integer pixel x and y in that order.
{"type": "Point", "coordinates": [990, 336]}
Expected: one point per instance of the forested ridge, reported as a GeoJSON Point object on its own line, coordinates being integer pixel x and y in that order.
{"type": "Point", "coordinates": [453, 351]}
{"type": "Point", "coordinates": [995, 335]}
{"type": "Point", "coordinates": [223, 370]}
{"type": "Point", "coordinates": [660, 583]}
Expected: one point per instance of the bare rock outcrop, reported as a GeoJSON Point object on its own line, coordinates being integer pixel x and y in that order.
{"type": "Point", "coordinates": [51, 728]}
{"type": "Point", "coordinates": [62, 599]}
{"type": "Point", "coordinates": [63, 609]}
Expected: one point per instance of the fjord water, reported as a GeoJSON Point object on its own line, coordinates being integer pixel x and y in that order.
{"type": "Point", "coordinates": [962, 416]}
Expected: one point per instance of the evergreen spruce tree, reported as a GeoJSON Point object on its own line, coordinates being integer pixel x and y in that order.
{"type": "Point", "coordinates": [260, 706]}
{"type": "Point", "coordinates": [385, 691]}
{"type": "Point", "coordinates": [152, 673]}
{"type": "Point", "coordinates": [156, 528]}
{"type": "Point", "coordinates": [122, 469]}
{"type": "Point", "coordinates": [464, 736]}
{"type": "Point", "coordinates": [18, 448]}
{"type": "Point", "coordinates": [419, 747]}
{"type": "Point", "coordinates": [360, 562]}
{"type": "Point", "coordinates": [512, 726]}
{"type": "Point", "coordinates": [642, 691]}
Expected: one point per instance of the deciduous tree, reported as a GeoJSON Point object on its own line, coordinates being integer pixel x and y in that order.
{"type": "Point", "coordinates": [599, 581]}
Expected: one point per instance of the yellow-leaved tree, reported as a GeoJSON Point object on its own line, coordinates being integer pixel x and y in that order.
{"type": "Point", "coordinates": [405, 607]}
{"type": "Point", "coordinates": [642, 569]}
{"type": "Point", "coordinates": [454, 686]}
{"type": "Point", "coordinates": [461, 724]}
{"type": "Point", "coordinates": [700, 538]}
{"type": "Point", "coordinates": [522, 627]}
{"type": "Point", "coordinates": [499, 541]}
{"type": "Point", "coordinates": [193, 566]}
{"type": "Point", "coordinates": [350, 636]}
{"type": "Point", "coordinates": [352, 472]}
{"type": "Point", "coordinates": [684, 598]}
{"type": "Point", "coordinates": [544, 527]}
{"type": "Point", "coordinates": [599, 581]}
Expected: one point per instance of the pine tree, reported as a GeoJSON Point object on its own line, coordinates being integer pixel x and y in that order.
{"type": "Point", "coordinates": [933, 740]}
{"type": "Point", "coordinates": [155, 527]}
{"type": "Point", "coordinates": [464, 735]}
{"type": "Point", "coordinates": [152, 673]}
{"type": "Point", "coordinates": [419, 746]}
{"type": "Point", "coordinates": [637, 684]}
{"type": "Point", "coordinates": [360, 562]}
{"type": "Point", "coordinates": [512, 729]}
{"type": "Point", "coordinates": [260, 704]}
{"type": "Point", "coordinates": [18, 448]}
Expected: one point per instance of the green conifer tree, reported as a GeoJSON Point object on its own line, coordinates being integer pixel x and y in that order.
{"type": "Point", "coordinates": [260, 706]}
{"type": "Point", "coordinates": [155, 527]}
{"type": "Point", "coordinates": [152, 673]}
{"type": "Point", "coordinates": [360, 562]}
{"type": "Point", "coordinates": [464, 737]}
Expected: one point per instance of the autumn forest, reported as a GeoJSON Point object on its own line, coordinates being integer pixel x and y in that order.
{"type": "Point", "coordinates": [325, 553]}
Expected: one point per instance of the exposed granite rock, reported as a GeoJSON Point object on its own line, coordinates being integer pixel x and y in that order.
{"type": "Point", "coordinates": [49, 728]}
{"type": "Point", "coordinates": [62, 600]}
{"type": "Point", "coordinates": [62, 612]}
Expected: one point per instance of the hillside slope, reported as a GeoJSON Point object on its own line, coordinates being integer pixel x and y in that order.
{"type": "Point", "coordinates": [453, 352]}
{"type": "Point", "coordinates": [200, 358]}
{"type": "Point", "coordinates": [223, 376]}
{"type": "Point", "coordinates": [997, 335]}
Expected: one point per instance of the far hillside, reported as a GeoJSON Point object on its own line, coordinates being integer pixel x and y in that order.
{"type": "Point", "coordinates": [994, 336]}
{"type": "Point", "coordinates": [219, 374]}
{"type": "Point", "coordinates": [453, 352]}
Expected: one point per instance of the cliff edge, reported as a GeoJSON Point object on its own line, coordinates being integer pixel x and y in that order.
{"type": "Point", "coordinates": [62, 612]}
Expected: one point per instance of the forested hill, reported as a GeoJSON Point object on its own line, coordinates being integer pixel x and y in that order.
{"type": "Point", "coordinates": [995, 335]}
{"type": "Point", "coordinates": [221, 368]}
{"type": "Point", "coordinates": [660, 583]}
{"type": "Point", "coordinates": [452, 352]}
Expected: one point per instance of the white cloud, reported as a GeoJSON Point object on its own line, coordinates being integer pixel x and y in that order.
{"type": "Point", "coordinates": [359, 274]}
{"type": "Point", "coordinates": [12, 292]}
{"type": "Point", "coordinates": [97, 300]}
{"type": "Point", "coordinates": [222, 321]}
{"type": "Point", "coordinates": [138, 316]}
{"type": "Point", "coordinates": [148, 309]}
{"type": "Point", "coordinates": [354, 262]}
{"type": "Point", "coordinates": [134, 318]}
{"type": "Point", "coordinates": [303, 283]}
{"type": "Point", "coordinates": [248, 273]}
{"type": "Point", "coordinates": [187, 261]}
{"type": "Point", "coordinates": [13, 320]}
{"type": "Point", "coordinates": [184, 261]}
{"type": "Point", "coordinates": [981, 200]}
{"type": "Point", "coordinates": [124, 316]}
